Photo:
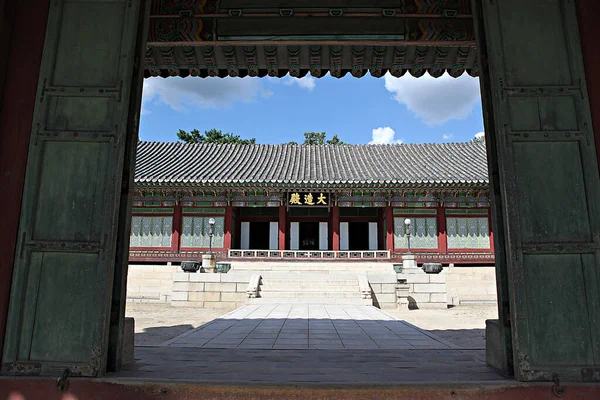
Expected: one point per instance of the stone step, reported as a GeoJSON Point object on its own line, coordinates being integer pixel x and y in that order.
{"type": "Point", "coordinates": [323, 295]}
{"type": "Point", "coordinates": [290, 300]}
{"type": "Point", "coordinates": [309, 282]}
{"type": "Point", "coordinates": [309, 288]}
{"type": "Point", "coordinates": [305, 276]}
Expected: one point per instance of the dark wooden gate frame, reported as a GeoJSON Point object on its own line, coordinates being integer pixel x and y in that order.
{"type": "Point", "coordinates": [22, 31]}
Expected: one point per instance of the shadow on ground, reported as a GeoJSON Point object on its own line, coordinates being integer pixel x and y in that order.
{"type": "Point", "coordinates": [153, 336]}
{"type": "Point", "coordinates": [464, 338]}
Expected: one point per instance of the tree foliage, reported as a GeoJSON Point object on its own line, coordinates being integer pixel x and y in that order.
{"type": "Point", "coordinates": [311, 138]}
{"type": "Point", "coordinates": [217, 136]}
{"type": "Point", "coordinates": [212, 136]}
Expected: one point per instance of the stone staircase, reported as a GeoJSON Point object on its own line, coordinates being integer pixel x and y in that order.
{"type": "Point", "coordinates": [309, 288]}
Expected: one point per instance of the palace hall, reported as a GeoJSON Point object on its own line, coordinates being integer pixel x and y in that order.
{"type": "Point", "coordinates": [291, 202]}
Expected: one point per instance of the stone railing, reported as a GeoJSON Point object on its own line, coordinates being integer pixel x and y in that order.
{"type": "Point", "coordinates": [311, 254]}
{"type": "Point", "coordinates": [253, 285]}
{"type": "Point", "coordinates": [363, 286]}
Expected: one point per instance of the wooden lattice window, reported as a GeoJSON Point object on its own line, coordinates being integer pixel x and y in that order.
{"type": "Point", "coordinates": [423, 233]}
{"type": "Point", "coordinates": [195, 232]}
{"type": "Point", "coordinates": [151, 231]}
{"type": "Point", "coordinates": [468, 233]}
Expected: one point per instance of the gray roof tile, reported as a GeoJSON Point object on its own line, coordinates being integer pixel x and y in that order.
{"type": "Point", "coordinates": [223, 164]}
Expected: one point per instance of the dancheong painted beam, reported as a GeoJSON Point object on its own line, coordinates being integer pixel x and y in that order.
{"type": "Point", "coordinates": [274, 38]}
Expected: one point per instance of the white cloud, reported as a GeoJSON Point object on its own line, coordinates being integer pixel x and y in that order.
{"type": "Point", "coordinates": [180, 93]}
{"type": "Point", "coordinates": [435, 101]}
{"type": "Point", "coordinates": [384, 136]}
{"type": "Point", "coordinates": [306, 82]}
{"type": "Point", "coordinates": [447, 136]}
{"type": "Point", "coordinates": [480, 136]}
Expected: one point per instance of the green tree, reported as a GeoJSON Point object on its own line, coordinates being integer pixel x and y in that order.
{"type": "Point", "coordinates": [311, 138]}
{"type": "Point", "coordinates": [211, 136]}
{"type": "Point", "coordinates": [335, 140]}
{"type": "Point", "coordinates": [314, 138]}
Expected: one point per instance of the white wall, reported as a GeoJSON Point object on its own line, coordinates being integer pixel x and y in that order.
{"type": "Point", "coordinates": [150, 282]}
{"type": "Point", "coordinates": [472, 283]}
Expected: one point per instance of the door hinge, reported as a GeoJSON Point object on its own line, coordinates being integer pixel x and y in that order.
{"type": "Point", "coordinates": [62, 383]}
{"type": "Point", "coordinates": [557, 389]}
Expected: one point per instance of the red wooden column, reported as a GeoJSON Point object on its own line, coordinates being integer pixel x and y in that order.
{"type": "Point", "coordinates": [228, 227]}
{"type": "Point", "coordinates": [22, 30]}
{"type": "Point", "coordinates": [389, 228]}
{"type": "Point", "coordinates": [177, 223]}
{"type": "Point", "coordinates": [282, 225]}
{"type": "Point", "coordinates": [442, 234]}
{"type": "Point", "coordinates": [335, 226]}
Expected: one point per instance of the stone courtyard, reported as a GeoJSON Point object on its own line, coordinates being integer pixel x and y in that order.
{"type": "Point", "coordinates": [308, 327]}
{"type": "Point", "coordinates": [310, 344]}
{"type": "Point", "coordinates": [463, 326]}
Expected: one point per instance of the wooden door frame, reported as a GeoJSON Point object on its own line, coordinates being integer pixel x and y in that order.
{"type": "Point", "coordinates": [24, 44]}
{"type": "Point", "coordinates": [119, 290]}
{"type": "Point", "coordinates": [496, 199]}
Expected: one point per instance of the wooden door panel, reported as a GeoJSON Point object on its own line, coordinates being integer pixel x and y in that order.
{"type": "Point", "coordinates": [85, 22]}
{"type": "Point", "coordinates": [59, 310]}
{"type": "Point", "coordinates": [80, 114]}
{"type": "Point", "coordinates": [556, 209]}
{"type": "Point", "coordinates": [76, 196]}
{"type": "Point", "coordinates": [62, 327]}
{"type": "Point", "coordinates": [533, 36]}
{"type": "Point", "coordinates": [557, 303]}
{"type": "Point", "coordinates": [549, 179]}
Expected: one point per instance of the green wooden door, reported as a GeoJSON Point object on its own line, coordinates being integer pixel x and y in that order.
{"type": "Point", "coordinates": [549, 180]}
{"type": "Point", "coordinates": [62, 286]}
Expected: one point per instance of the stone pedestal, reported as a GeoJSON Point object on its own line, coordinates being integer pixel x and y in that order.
{"type": "Point", "coordinates": [209, 262]}
{"type": "Point", "coordinates": [402, 293]}
{"type": "Point", "coordinates": [493, 344]}
{"type": "Point", "coordinates": [128, 341]}
{"type": "Point", "coordinates": [409, 261]}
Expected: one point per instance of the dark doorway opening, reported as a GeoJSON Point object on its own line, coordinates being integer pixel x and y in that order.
{"type": "Point", "coordinates": [259, 235]}
{"type": "Point", "coordinates": [358, 236]}
{"type": "Point", "coordinates": [309, 235]}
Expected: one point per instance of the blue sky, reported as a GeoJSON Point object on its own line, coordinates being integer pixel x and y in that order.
{"type": "Point", "coordinates": [360, 111]}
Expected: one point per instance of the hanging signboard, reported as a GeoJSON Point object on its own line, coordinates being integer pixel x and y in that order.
{"type": "Point", "coordinates": [308, 199]}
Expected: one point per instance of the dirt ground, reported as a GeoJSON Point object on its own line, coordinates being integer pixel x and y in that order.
{"type": "Point", "coordinates": [156, 323]}
{"type": "Point", "coordinates": [464, 325]}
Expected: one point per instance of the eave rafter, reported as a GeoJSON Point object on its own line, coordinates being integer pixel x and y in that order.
{"type": "Point", "coordinates": [227, 38]}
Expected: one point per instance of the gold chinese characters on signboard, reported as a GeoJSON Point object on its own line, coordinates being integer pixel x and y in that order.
{"type": "Point", "coordinates": [308, 199]}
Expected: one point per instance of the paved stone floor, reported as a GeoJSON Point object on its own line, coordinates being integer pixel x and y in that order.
{"type": "Point", "coordinates": [308, 327]}
{"type": "Point", "coordinates": [314, 344]}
